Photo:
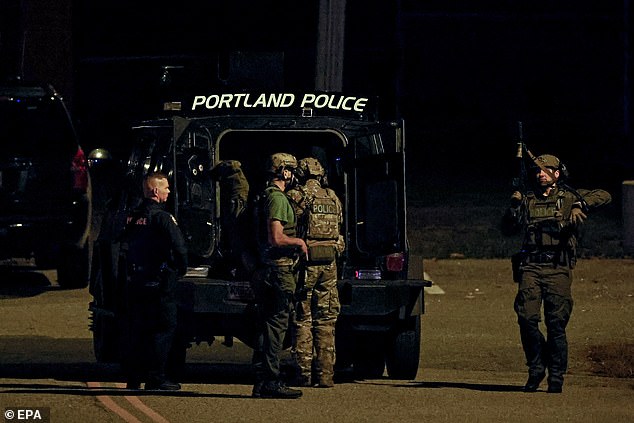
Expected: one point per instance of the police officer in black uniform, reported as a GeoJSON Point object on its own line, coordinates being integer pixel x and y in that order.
{"type": "Point", "coordinates": [155, 256]}
{"type": "Point", "coordinates": [549, 217]}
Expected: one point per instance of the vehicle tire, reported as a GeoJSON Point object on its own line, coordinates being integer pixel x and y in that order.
{"type": "Point", "coordinates": [403, 351]}
{"type": "Point", "coordinates": [73, 267]}
{"type": "Point", "coordinates": [369, 356]}
{"type": "Point", "coordinates": [105, 338]}
{"type": "Point", "coordinates": [45, 254]}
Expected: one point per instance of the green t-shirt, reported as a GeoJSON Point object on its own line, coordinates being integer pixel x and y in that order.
{"type": "Point", "coordinates": [276, 206]}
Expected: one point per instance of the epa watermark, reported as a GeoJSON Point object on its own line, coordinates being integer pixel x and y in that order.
{"type": "Point", "coordinates": [27, 414]}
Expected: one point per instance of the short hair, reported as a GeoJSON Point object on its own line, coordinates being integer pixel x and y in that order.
{"type": "Point", "coordinates": [148, 183]}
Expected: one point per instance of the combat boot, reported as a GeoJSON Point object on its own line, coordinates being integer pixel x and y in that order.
{"type": "Point", "coordinates": [257, 389]}
{"type": "Point", "coordinates": [326, 381]}
{"type": "Point", "coordinates": [302, 380]}
{"type": "Point", "coordinates": [276, 389]}
{"type": "Point", "coordinates": [162, 385]}
{"type": "Point", "coordinates": [532, 384]}
{"type": "Point", "coordinates": [555, 384]}
{"type": "Point", "coordinates": [325, 362]}
{"type": "Point", "coordinates": [133, 385]}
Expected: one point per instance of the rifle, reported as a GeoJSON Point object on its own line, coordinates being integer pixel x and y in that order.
{"type": "Point", "coordinates": [519, 182]}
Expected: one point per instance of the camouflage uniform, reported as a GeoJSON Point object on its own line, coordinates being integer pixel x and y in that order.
{"type": "Point", "coordinates": [543, 271]}
{"type": "Point", "coordinates": [234, 192]}
{"type": "Point", "coordinates": [317, 306]}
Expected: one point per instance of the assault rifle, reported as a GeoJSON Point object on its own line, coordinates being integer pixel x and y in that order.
{"type": "Point", "coordinates": [519, 182]}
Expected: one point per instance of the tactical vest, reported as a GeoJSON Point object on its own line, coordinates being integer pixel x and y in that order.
{"type": "Point", "coordinates": [548, 222]}
{"type": "Point", "coordinates": [269, 254]}
{"type": "Point", "coordinates": [319, 224]}
{"type": "Point", "coordinates": [140, 247]}
{"type": "Point", "coordinates": [322, 216]}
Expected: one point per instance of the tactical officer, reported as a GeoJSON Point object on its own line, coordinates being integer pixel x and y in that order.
{"type": "Point", "coordinates": [319, 215]}
{"type": "Point", "coordinates": [549, 217]}
{"type": "Point", "coordinates": [279, 251]}
{"type": "Point", "coordinates": [234, 192]}
{"type": "Point", "coordinates": [155, 256]}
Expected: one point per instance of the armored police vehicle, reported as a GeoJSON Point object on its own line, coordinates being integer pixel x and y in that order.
{"type": "Point", "coordinates": [380, 284]}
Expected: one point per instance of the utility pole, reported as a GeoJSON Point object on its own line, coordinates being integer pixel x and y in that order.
{"type": "Point", "coordinates": [627, 68]}
{"type": "Point", "coordinates": [330, 45]}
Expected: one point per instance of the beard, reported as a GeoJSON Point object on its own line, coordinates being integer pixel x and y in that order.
{"type": "Point", "coordinates": [290, 182]}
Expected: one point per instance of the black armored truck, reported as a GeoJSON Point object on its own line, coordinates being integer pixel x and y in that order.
{"type": "Point", "coordinates": [381, 286]}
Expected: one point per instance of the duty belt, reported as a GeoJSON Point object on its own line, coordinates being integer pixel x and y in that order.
{"type": "Point", "coordinates": [541, 257]}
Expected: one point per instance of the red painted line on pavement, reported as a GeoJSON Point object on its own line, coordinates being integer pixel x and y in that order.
{"type": "Point", "coordinates": [139, 405]}
{"type": "Point", "coordinates": [113, 406]}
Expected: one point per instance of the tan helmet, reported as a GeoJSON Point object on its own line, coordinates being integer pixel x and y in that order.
{"type": "Point", "coordinates": [308, 167]}
{"type": "Point", "coordinates": [548, 160]}
{"type": "Point", "coordinates": [278, 161]}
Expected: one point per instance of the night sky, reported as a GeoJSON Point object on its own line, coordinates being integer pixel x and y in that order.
{"type": "Point", "coordinates": [461, 74]}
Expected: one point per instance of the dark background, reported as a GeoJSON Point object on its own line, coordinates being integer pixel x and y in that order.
{"type": "Point", "coordinates": [461, 73]}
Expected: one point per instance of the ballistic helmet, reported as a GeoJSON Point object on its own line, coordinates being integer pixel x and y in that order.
{"type": "Point", "coordinates": [309, 167]}
{"type": "Point", "coordinates": [279, 161]}
{"type": "Point", "coordinates": [548, 160]}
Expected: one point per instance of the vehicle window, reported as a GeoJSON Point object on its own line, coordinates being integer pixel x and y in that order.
{"type": "Point", "coordinates": [377, 143]}
{"type": "Point", "coordinates": [35, 128]}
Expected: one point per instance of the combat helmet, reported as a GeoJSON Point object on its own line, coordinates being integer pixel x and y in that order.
{"type": "Point", "coordinates": [308, 167]}
{"type": "Point", "coordinates": [552, 162]}
{"type": "Point", "coordinates": [277, 162]}
{"type": "Point", "coordinates": [548, 160]}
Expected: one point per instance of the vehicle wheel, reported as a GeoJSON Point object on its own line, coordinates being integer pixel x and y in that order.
{"type": "Point", "coordinates": [45, 256]}
{"type": "Point", "coordinates": [403, 351]}
{"type": "Point", "coordinates": [369, 357]}
{"type": "Point", "coordinates": [105, 338]}
{"type": "Point", "coordinates": [73, 267]}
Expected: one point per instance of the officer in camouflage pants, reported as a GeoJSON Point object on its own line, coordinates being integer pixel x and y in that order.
{"type": "Point", "coordinates": [317, 307]}
{"type": "Point", "coordinates": [549, 217]}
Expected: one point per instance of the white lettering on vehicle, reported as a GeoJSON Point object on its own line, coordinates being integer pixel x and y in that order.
{"type": "Point", "coordinates": [279, 100]}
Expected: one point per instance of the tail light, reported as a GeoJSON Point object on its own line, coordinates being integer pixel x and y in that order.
{"type": "Point", "coordinates": [395, 262]}
{"type": "Point", "coordinates": [391, 263]}
{"type": "Point", "coordinates": [79, 168]}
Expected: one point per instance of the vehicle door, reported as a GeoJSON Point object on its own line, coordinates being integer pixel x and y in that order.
{"type": "Point", "coordinates": [194, 198]}
{"type": "Point", "coordinates": [376, 209]}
